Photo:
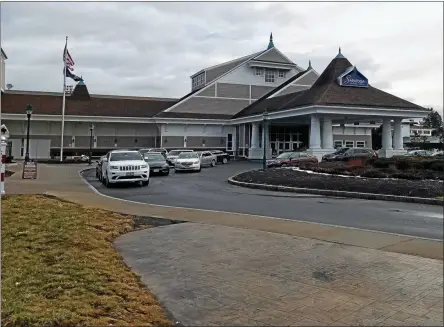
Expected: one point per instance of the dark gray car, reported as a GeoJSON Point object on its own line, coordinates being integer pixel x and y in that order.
{"type": "Point", "coordinates": [157, 162]}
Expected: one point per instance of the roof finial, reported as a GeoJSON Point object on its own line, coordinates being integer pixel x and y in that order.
{"type": "Point", "coordinates": [340, 55]}
{"type": "Point", "coordinates": [270, 44]}
{"type": "Point", "coordinates": [309, 65]}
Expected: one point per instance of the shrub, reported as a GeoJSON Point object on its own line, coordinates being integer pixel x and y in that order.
{"type": "Point", "coordinates": [437, 165]}
{"type": "Point", "coordinates": [406, 175]}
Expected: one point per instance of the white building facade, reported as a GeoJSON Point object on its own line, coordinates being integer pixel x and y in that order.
{"type": "Point", "coordinates": [224, 110]}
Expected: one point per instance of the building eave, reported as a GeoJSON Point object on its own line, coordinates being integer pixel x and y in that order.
{"type": "Point", "coordinates": [4, 54]}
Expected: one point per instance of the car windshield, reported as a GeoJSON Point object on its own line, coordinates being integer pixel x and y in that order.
{"type": "Point", "coordinates": [188, 155]}
{"type": "Point", "coordinates": [154, 157]}
{"type": "Point", "coordinates": [123, 156]}
{"type": "Point", "coordinates": [284, 155]}
{"type": "Point", "coordinates": [142, 151]}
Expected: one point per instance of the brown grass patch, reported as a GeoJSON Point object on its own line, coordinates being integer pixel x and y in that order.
{"type": "Point", "coordinates": [59, 268]}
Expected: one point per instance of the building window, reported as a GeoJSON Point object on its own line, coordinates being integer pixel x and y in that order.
{"type": "Point", "coordinates": [360, 144]}
{"type": "Point", "coordinates": [258, 71]}
{"type": "Point", "coordinates": [349, 144]}
{"type": "Point", "coordinates": [269, 76]}
{"type": "Point", "coordinates": [281, 74]}
{"type": "Point", "coordinates": [338, 144]}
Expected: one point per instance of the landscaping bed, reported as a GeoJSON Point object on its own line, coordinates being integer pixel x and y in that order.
{"type": "Point", "coordinates": [399, 168]}
{"type": "Point", "coordinates": [60, 268]}
{"type": "Point", "coordinates": [390, 177]}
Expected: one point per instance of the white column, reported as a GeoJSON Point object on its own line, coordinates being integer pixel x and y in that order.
{"type": "Point", "coordinates": [327, 133]}
{"type": "Point", "coordinates": [387, 134]}
{"type": "Point", "coordinates": [397, 135]}
{"type": "Point", "coordinates": [315, 132]}
{"type": "Point", "coordinates": [254, 135]}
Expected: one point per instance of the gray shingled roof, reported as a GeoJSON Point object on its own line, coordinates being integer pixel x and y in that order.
{"type": "Point", "coordinates": [326, 91]}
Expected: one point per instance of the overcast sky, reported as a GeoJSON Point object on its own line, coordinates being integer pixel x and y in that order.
{"type": "Point", "coordinates": [151, 49]}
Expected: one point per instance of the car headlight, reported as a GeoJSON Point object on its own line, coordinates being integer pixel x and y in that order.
{"type": "Point", "coordinates": [114, 167]}
{"type": "Point", "coordinates": [166, 165]}
{"type": "Point", "coordinates": [144, 166]}
{"type": "Point", "coordinates": [196, 162]}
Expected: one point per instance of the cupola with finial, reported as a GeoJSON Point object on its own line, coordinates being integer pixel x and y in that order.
{"type": "Point", "coordinates": [339, 55]}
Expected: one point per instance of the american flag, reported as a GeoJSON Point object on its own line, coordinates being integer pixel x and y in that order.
{"type": "Point", "coordinates": [67, 59]}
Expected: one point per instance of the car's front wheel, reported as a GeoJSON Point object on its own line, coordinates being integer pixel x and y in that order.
{"type": "Point", "coordinates": [224, 160]}
{"type": "Point", "coordinates": [145, 183]}
{"type": "Point", "coordinates": [106, 182]}
{"type": "Point", "coordinates": [213, 163]}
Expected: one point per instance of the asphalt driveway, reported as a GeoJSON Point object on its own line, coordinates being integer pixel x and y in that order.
{"type": "Point", "coordinates": [209, 190]}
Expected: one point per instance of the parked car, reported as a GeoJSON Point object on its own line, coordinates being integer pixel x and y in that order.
{"type": "Point", "coordinates": [157, 163]}
{"type": "Point", "coordinates": [188, 160]}
{"type": "Point", "coordinates": [438, 154]}
{"type": "Point", "coordinates": [291, 159]}
{"type": "Point", "coordinates": [207, 158]}
{"type": "Point", "coordinates": [163, 151]}
{"type": "Point", "coordinates": [355, 153]}
{"type": "Point", "coordinates": [419, 153]}
{"type": "Point", "coordinates": [332, 156]}
{"type": "Point", "coordinates": [121, 166]}
{"type": "Point", "coordinates": [174, 154]}
{"type": "Point", "coordinates": [221, 157]}
{"type": "Point", "coordinates": [99, 168]}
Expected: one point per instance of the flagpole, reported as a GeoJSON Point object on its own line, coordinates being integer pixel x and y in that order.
{"type": "Point", "coordinates": [63, 101]}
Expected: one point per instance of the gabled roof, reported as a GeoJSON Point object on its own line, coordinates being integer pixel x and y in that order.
{"type": "Point", "coordinates": [327, 91]}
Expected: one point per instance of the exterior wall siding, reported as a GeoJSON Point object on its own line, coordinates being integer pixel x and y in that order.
{"type": "Point", "coordinates": [226, 90]}
{"type": "Point", "coordinates": [258, 91]}
{"type": "Point", "coordinates": [245, 75]}
{"type": "Point", "coordinates": [211, 106]}
{"type": "Point", "coordinates": [209, 92]}
{"type": "Point", "coordinates": [214, 73]}
{"type": "Point", "coordinates": [210, 142]}
{"type": "Point", "coordinates": [172, 142]}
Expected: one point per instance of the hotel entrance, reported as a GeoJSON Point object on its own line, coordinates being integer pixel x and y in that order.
{"type": "Point", "coordinates": [285, 139]}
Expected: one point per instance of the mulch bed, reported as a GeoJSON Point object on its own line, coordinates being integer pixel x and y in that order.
{"type": "Point", "coordinates": [289, 177]}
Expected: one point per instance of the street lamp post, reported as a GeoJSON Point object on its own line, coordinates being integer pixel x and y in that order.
{"type": "Point", "coordinates": [264, 145]}
{"type": "Point", "coordinates": [90, 143]}
{"type": "Point", "coordinates": [28, 110]}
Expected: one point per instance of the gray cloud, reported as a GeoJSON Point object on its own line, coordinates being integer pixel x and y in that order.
{"type": "Point", "coordinates": [151, 49]}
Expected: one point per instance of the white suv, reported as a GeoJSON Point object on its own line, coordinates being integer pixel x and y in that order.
{"type": "Point", "coordinates": [123, 166]}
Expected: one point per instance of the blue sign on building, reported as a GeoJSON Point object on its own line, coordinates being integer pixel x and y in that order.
{"type": "Point", "coordinates": [352, 77]}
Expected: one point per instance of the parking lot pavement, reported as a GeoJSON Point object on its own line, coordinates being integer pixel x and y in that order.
{"type": "Point", "coordinates": [212, 275]}
{"type": "Point", "coordinates": [209, 190]}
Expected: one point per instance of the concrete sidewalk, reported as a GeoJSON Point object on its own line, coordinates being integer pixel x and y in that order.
{"type": "Point", "coordinates": [65, 182]}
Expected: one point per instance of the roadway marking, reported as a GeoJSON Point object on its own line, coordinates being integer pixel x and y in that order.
{"type": "Point", "coordinates": [246, 214]}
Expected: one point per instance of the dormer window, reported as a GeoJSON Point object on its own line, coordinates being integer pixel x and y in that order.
{"type": "Point", "coordinates": [270, 76]}
{"type": "Point", "coordinates": [281, 74]}
{"type": "Point", "coordinates": [198, 80]}
{"type": "Point", "coordinates": [258, 71]}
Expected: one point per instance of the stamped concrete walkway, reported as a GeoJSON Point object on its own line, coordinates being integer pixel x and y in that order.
{"type": "Point", "coordinates": [240, 270]}
{"type": "Point", "coordinates": [213, 275]}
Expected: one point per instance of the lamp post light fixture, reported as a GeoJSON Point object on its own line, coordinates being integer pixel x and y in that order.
{"type": "Point", "coordinates": [28, 110]}
{"type": "Point", "coordinates": [264, 143]}
{"type": "Point", "coordinates": [91, 128]}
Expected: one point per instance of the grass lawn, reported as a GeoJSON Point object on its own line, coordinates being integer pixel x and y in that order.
{"type": "Point", "coordinates": [59, 268]}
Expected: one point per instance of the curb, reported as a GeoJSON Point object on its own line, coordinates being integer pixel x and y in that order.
{"type": "Point", "coordinates": [358, 195]}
